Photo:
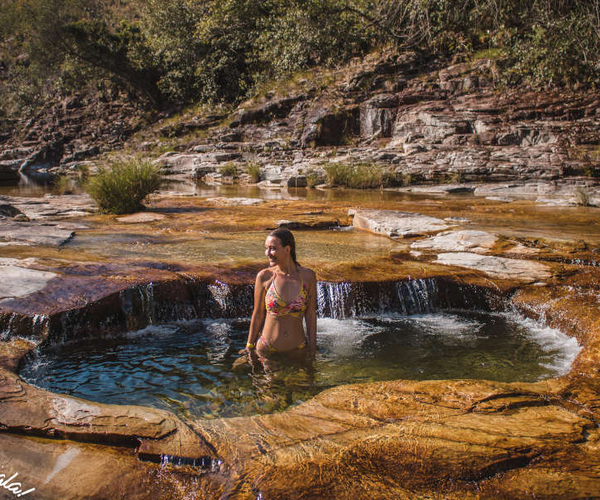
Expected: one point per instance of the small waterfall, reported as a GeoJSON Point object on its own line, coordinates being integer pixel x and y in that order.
{"type": "Point", "coordinates": [333, 299]}
{"type": "Point", "coordinates": [221, 293]}
{"type": "Point", "coordinates": [417, 296]}
{"type": "Point", "coordinates": [229, 301]}
{"type": "Point", "coordinates": [340, 300]}
{"type": "Point", "coordinates": [20, 325]}
{"type": "Point", "coordinates": [189, 298]}
{"type": "Point", "coordinates": [206, 464]}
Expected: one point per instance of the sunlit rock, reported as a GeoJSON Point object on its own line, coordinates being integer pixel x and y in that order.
{"type": "Point", "coordinates": [52, 206]}
{"type": "Point", "coordinates": [499, 267]}
{"type": "Point", "coordinates": [19, 281]}
{"type": "Point", "coordinates": [397, 224]}
{"type": "Point", "coordinates": [458, 241]}
{"type": "Point", "coordinates": [141, 217]}
{"type": "Point", "coordinates": [34, 233]}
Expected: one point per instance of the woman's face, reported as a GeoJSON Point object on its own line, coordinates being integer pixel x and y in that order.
{"type": "Point", "coordinates": [275, 251]}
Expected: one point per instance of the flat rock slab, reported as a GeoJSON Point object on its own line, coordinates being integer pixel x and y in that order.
{"type": "Point", "coordinates": [33, 233]}
{"type": "Point", "coordinates": [442, 189]}
{"type": "Point", "coordinates": [458, 241]}
{"type": "Point", "coordinates": [19, 281]}
{"type": "Point", "coordinates": [234, 202]}
{"type": "Point", "coordinates": [140, 217]}
{"type": "Point", "coordinates": [397, 224]}
{"type": "Point", "coordinates": [52, 206]}
{"type": "Point", "coordinates": [544, 193]}
{"type": "Point", "coordinates": [498, 267]}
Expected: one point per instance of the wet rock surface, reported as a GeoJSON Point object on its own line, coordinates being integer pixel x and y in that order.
{"type": "Point", "coordinates": [396, 224]}
{"type": "Point", "coordinates": [458, 241]}
{"type": "Point", "coordinates": [498, 267]}
{"type": "Point", "coordinates": [402, 439]}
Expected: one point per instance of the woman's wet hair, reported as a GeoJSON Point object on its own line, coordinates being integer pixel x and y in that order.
{"type": "Point", "coordinates": [287, 239]}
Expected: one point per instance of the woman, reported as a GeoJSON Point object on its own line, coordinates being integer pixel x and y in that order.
{"type": "Point", "coordinates": [284, 293]}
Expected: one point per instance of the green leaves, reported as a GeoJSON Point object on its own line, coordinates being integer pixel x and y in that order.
{"type": "Point", "coordinates": [186, 51]}
{"type": "Point", "coordinates": [122, 187]}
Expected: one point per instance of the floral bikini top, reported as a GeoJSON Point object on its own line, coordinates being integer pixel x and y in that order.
{"type": "Point", "coordinates": [277, 306]}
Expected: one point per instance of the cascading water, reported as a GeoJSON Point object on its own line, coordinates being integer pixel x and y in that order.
{"type": "Point", "coordinates": [189, 298]}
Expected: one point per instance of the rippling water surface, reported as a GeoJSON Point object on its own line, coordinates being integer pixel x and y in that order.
{"type": "Point", "coordinates": [187, 367]}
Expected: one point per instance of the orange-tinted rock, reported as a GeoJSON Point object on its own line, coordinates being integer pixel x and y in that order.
{"type": "Point", "coordinates": [400, 439]}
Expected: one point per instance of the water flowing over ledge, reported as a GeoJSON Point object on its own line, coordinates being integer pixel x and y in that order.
{"type": "Point", "coordinates": [188, 298]}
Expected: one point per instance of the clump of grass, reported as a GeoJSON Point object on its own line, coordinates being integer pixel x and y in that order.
{"type": "Point", "coordinates": [253, 168]}
{"type": "Point", "coordinates": [229, 169]}
{"type": "Point", "coordinates": [122, 187]}
{"type": "Point", "coordinates": [313, 178]}
{"type": "Point", "coordinates": [582, 197]}
{"type": "Point", "coordinates": [83, 171]}
{"type": "Point", "coordinates": [493, 54]}
{"type": "Point", "coordinates": [359, 175]}
{"type": "Point", "coordinates": [62, 185]}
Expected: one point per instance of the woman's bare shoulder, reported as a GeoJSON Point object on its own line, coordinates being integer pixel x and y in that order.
{"type": "Point", "coordinates": [308, 275]}
{"type": "Point", "coordinates": [264, 275]}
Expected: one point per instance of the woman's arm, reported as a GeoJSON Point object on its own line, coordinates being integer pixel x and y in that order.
{"type": "Point", "coordinates": [310, 315]}
{"type": "Point", "coordinates": [258, 314]}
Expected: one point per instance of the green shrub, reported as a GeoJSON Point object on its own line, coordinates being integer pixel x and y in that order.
{"type": "Point", "coordinates": [122, 187]}
{"type": "Point", "coordinates": [62, 185]}
{"type": "Point", "coordinates": [582, 197]}
{"type": "Point", "coordinates": [254, 171]}
{"type": "Point", "coordinates": [313, 178]}
{"type": "Point", "coordinates": [358, 175]}
{"type": "Point", "coordinates": [229, 169]}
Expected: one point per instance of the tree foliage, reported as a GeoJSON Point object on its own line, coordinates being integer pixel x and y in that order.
{"type": "Point", "coordinates": [185, 51]}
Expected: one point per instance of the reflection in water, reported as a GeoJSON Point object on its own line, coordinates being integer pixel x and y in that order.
{"type": "Point", "coordinates": [232, 248]}
{"type": "Point", "coordinates": [187, 366]}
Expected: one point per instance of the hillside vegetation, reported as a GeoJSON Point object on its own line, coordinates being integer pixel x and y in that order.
{"type": "Point", "coordinates": [179, 52]}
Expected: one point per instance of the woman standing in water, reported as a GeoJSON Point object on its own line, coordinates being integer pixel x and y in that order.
{"type": "Point", "coordinates": [284, 294]}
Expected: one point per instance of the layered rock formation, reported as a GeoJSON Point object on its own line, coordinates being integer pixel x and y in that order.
{"type": "Point", "coordinates": [425, 124]}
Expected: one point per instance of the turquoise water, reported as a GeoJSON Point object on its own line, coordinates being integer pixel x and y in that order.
{"type": "Point", "coordinates": [187, 367]}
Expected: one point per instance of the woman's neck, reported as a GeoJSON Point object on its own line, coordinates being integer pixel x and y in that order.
{"type": "Point", "coordinates": [288, 269]}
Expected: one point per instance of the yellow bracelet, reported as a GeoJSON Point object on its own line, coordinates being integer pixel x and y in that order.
{"type": "Point", "coordinates": [249, 345]}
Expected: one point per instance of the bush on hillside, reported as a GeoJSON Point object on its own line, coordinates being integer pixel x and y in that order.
{"type": "Point", "coordinates": [254, 171]}
{"type": "Point", "coordinates": [359, 175]}
{"type": "Point", "coordinates": [122, 187]}
{"type": "Point", "coordinates": [186, 51]}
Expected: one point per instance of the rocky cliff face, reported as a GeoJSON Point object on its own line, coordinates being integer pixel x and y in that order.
{"type": "Point", "coordinates": [67, 132]}
{"type": "Point", "coordinates": [424, 122]}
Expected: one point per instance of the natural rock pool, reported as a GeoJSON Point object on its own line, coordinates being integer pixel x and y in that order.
{"type": "Point", "coordinates": [507, 412]}
{"type": "Point", "coordinates": [187, 367]}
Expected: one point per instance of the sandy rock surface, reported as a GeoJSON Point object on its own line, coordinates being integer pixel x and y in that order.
{"type": "Point", "coordinates": [498, 267]}
{"type": "Point", "coordinates": [397, 224]}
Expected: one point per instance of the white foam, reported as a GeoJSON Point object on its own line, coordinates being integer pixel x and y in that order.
{"type": "Point", "coordinates": [152, 331]}
{"type": "Point", "coordinates": [447, 325]}
{"type": "Point", "coordinates": [564, 349]}
{"type": "Point", "coordinates": [344, 336]}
